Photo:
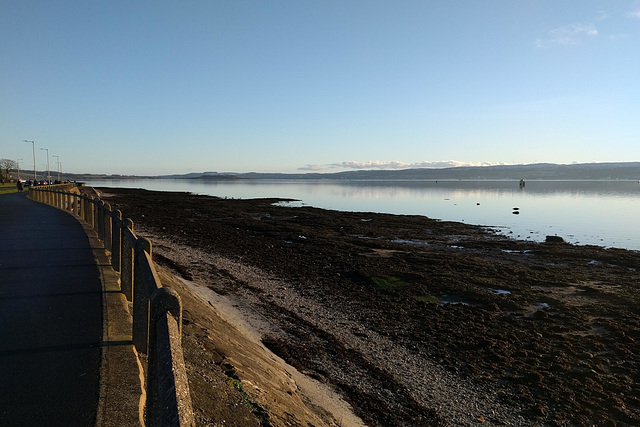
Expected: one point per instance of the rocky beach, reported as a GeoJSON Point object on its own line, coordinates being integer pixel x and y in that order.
{"type": "Point", "coordinates": [304, 316]}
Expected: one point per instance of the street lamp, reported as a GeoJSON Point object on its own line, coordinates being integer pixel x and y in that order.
{"type": "Point", "coordinates": [34, 159]}
{"type": "Point", "coordinates": [18, 163]}
{"type": "Point", "coordinates": [48, 170]}
{"type": "Point", "coordinates": [58, 162]}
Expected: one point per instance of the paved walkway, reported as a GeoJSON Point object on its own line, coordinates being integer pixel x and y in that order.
{"type": "Point", "coordinates": [50, 317]}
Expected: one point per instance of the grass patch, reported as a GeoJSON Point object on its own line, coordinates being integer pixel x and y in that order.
{"type": "Point", "coordinates": [8, 188]}
{"type": "Point", "coordinates": [485, 280]}
{"type": "Point", "coordinates": [237, 384]}
{"type": "Point", "coordinates": [431, 299]}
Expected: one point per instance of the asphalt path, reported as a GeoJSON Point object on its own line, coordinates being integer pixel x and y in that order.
{"type": "Point", "coordinates": [50, 317]}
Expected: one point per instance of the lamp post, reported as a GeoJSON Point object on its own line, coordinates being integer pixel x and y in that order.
{"type": "Point", "coordinates": [48, 170]}
{"type": "Point", "coordinates": [18, 163]}
{"type": "Point", "coordinates": [34, 159]}
{"type": "Point", "coordinates": [58, 162]}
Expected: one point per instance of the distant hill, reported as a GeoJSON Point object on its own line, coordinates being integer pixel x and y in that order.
{"type": "Point", "coordinates": [538, 171]}
{"type": "Point", "coordinates": [92, 176]}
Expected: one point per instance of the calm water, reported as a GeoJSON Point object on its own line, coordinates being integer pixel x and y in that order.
{"type": "Point", "coordinates": [604, 213]}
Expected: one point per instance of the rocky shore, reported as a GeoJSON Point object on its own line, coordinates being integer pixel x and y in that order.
{"type": "Point", "coordinates": [411, 321]}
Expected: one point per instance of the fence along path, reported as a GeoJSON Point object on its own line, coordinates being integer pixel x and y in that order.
{"type": "Point", "coordinates": [157, 311]}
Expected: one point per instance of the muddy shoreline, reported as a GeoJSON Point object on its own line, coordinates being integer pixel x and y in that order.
{"type": "Point", "coordinates": [416, 321]}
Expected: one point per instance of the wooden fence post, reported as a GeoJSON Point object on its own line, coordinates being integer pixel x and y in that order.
{"type": "Point", "coordinates": [126, 257]}
{"type": "Point", "coordinates": [168, 397]}
{"type": "Point", "coordinates": [141, 294]}
{"type": "Point", "coordinates": [96, 213]}
{"type": "Point", "coordinates": [88, 211]}
{"type": "Point", "coordinates": [107, 226]}
{"type": "Point", "coordinates": [116, 239]}
{"type": "Point", "coordinates": [100, 219]}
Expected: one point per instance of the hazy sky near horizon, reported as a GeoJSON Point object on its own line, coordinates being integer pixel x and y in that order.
{"type": "Point", "coordinates": [159, 87]}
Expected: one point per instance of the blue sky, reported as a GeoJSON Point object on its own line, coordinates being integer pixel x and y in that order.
{"type": "Point", "coordinates": [158, 87]}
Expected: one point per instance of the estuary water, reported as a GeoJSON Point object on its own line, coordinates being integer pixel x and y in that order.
{"type": "Point", "coordinates": [604, 213]}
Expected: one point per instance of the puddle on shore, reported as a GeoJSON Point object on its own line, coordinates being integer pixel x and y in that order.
{"type": "Point", "coordinates": [291, 204]}
{"type": "Point", "coordinates": [536, 307]}
{"type": "Point", "coordinates": [516, 251]}
{"type": "Point", "coordinates": [445, 300]}
{"type": "Point", "coordinates": [411, 242]}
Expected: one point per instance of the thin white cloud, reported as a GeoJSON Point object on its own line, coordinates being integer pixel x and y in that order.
{"type": "Point", "coordinates": [620, 36]}
{"type": "Point", "coordinates": [567, 35]}
{"type": "Point", "coordinates": [310, 168]}
{"type": "Point", "coordinates": [375, 164]}
{"type": "Point", "coordinates": [392, 165]}
{"type": "Point", "coordinates": [635, 14]}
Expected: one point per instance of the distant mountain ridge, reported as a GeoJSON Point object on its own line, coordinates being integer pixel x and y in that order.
{"type": "Point", "coordinates": [537, 171]}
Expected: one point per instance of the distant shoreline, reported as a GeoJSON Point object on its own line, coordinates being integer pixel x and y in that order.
{"type": "Point", "coordinates": [621, 171]}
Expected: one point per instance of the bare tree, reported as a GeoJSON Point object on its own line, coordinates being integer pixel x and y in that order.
{"type": "Point", "coordinates": [6, 166]}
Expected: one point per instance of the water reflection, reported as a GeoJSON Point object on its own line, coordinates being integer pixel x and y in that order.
{"type": "Point", "coordinates": [585, 212]}
{"type": "Point", "coordinates": [599, 188]}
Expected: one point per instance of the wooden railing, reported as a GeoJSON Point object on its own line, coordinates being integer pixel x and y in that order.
{"type": "Point", "coordinates": [157, 311]}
